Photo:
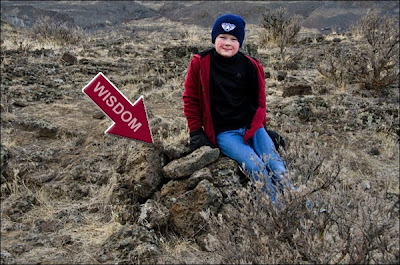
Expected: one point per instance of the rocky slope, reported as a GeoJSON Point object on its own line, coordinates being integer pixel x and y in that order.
{"type": "Point", "coordinates": [320, 15]}
{"type": "Point", "coordinates": [71, 194]}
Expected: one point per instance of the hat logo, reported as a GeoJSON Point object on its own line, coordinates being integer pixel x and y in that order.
{"type": "Point", "coordinates": [228, 26]}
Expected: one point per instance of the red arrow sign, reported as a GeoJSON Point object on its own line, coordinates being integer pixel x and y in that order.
{"type": "Point", "coordinates": [130, 120]}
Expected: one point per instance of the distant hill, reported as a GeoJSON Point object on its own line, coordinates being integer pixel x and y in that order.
{"type": "Point", "coordinates": [85, 14]}
{"type": "Point", "coordinates": [97, 14]}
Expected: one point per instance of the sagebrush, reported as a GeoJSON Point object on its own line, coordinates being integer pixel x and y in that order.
{"type": "Point", "coordinates": [56, 32]}
{"type": "Point", "coordinates": [280, 29]}
{"type": "Point", "coordinates": [321, 222]}
{"type": "Point", "coordinates": [376, 65]}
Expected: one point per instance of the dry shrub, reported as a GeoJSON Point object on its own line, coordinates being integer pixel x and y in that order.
{"type": "Point", "coordinates": [375, 64]}
{"type": "Point", "coordinates": [335, 66]}
{"type": "Point", "coordinates": [381, 56]}
{"type": "Point", "coordinates": [59, 33]}
{"type": "Point", "coordinates": [280, 29]}
{"type": "Point", "coordinates": [319, 223]}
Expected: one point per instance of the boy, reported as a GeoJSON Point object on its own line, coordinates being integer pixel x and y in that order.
{"type": "Point", "coordinates": [224, 104]}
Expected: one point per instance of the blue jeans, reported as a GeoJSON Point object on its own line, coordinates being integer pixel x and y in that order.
{"type": "Point", "coordinates": [252, 156]}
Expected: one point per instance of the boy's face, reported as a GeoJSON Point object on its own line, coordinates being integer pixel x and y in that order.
{"type": "Point", "coordinates": [226, 45]}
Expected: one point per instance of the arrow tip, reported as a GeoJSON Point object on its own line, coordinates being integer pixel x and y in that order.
{"type": "Point", "coordinates": [137, 128]}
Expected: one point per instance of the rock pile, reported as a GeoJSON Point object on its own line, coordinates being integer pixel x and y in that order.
{"type": "Point", "coordinates": [172, 197]}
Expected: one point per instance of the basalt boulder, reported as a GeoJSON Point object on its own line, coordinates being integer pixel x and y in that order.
{"type": "Point", "coordinates": [187, 165]}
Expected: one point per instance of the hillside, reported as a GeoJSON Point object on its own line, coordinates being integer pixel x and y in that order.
{"type": "Point", "coordinates": [72, 194]}
{"type": "Point", "coordinates": [94, 15]}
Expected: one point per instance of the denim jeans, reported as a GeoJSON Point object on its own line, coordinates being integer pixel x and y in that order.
{"type": "Point", "coordinates": [252, 156]}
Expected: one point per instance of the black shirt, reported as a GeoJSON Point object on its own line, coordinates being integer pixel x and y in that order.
{"type": "Point", "coordinates": [233, 91]}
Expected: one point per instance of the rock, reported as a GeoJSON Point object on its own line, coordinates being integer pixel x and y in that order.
{"type": "Point", "coordinates": [293, 79]}
{"type": "Point", "coordinates": [224, 167]}
{"type": "Point", "coordinates": [85, 61]}
{"type": "Point", "coordinates": [20, 71]}
{"type": "Point", "coordinates": [179, 51]}
{"type": "Point", "coordinates": [69, 59]}
{"type": "Point", "coordinates": [153, 215]}
{"type": "Point", "coordinates": [292, 65]}
{"type": "Point", "coordinates": [227, 177]}
{"type": "Point", "coordinates": [172, 190]}
{"type": "Point", "coordinates": [6, 257]}
{"type": "Point", "coordinates": [41, 127]}
{"type": "Point", "coordinates": [205, 190]}
{"type": "Point", "coordinates": [198, 176]}
{"type": "Point", "coordinates": [17, 208]}
{"type": "Point", "coordinates": [39, 240]}
{"type": "Point", "coordinates": [99, 115]}
{"type": "Point", "coordinates": [320, 38]}
{"type": "Point", "coordinates": [131, 242]}
{"type": "Point", "coordinates": [306, 40]}
{"type": "Point", "coordinates": [138, 176]}
{"type": "Point", "coordinates": [5, 156]}
{"type": "Point", "coordinates": [41, 178]}
{"type": "Point", "coordinates": [141, 170]}
{"type": "Point", "coordinates": [156, 81]}
{"type": "Point", "coordinates": [281, 75]}
{"type": "Point", "coordinates": [62, 240]}
{"type": "Point", "coordinates": [374, 151]}
{"type": "Point", "coordinates": [185, 218]}
{"type": "Point", "coordinates": [187, 165]}
{"type": "Point", "coordinates": [176, 151]}
{"type": "Point", "coordinates": [366, 184]}
{"type": "Point", "coordinates": [5, 254]}
{"type": "Point", "coordinates": [175, 188]}
{"type": "Point", "coordinates": [48, 226]}
{"type": "Point", "coordinates": [296, 90]}
{"type": "Point", "coordinates": [20, 103]}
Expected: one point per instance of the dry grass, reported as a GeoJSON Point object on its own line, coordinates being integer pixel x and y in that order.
{"type": "Point", "coordinates": [344, 225]}
{"type": "Point", "coordinates": [355, 214]}
{"type": "Point", "coordinates": [180, 250]}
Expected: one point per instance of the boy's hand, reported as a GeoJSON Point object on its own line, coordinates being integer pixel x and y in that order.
{"type": "Point", "coordinates": [276, 138]}
{"type": "Point", "coordinates": [198, 139]}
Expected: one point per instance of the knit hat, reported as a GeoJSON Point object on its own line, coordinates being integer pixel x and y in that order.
{"type": "Point", "coordinates": [229, 24]}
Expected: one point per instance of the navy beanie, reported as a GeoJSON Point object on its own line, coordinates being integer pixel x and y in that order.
{"type": "Point", "coordinates": [229, 24]}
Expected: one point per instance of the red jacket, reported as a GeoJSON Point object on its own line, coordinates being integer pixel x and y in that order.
{"type": "Point", "coordinates": [196, 98]}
